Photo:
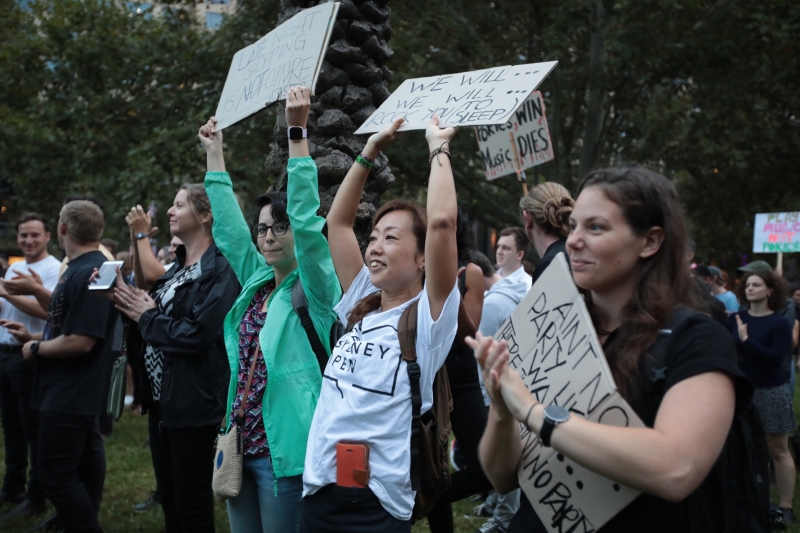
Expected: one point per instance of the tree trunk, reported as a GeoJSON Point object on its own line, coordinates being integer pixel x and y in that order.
{"type": "Point", "coordinates": [595, 105]}
{"type": "Point", "coordinates": [352, 83]}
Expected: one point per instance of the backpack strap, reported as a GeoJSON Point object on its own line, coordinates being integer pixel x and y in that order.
{"type": "Point", "coordinates": [655, 362]}
{"type": "Point", "coordinates": [407, 335]}
{"type": "Point", "coordinates": [300, 305]}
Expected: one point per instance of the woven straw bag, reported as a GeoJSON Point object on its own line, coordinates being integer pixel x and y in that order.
{"type": "Point", "coordinates": [227, 480]}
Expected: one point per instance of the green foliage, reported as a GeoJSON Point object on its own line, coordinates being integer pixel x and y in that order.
{"type": "Point", "coordinates": [98, 99]}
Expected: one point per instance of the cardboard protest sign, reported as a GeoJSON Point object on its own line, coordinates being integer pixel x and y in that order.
{"type": "Point", "coordinates": [555, 349]}
{"type": "Point", "coordinates": [776, 232]}
{"type": "Point", "coordinates": [480, 97]}
{"type": "Point", "coordinates": [289, 55]}
{"type": "Point", "coordinates": [528, 126]}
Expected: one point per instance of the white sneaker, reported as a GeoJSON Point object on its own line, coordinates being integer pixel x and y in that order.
{"type": "Point", "coordinates": [128, 401]}
{"type": "Point", "coordinates": [490, 527]}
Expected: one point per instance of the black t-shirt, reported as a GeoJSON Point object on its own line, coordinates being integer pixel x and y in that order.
{"type": "Point", "coordinates": [702, 346]}
{"type": "Point", "coordinates": [78, 385]}
{"type": "Point", "coordinates": [552, 251]}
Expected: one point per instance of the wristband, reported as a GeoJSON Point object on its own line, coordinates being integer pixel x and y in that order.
{"type": "Point", "coordinates": [365, 161]}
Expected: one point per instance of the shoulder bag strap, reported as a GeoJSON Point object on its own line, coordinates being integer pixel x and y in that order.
{"type": "Point", "coordinates": [240, 412]}
{"type": "Point", "coordinates": [300, 305]}
{"type": "Point", "coordinates": [407, 335]}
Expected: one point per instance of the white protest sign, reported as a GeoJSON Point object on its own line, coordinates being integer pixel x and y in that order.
{"type": "Point", "coordinates": [776, 232]}
{"type": "Point", "coordinates": [480, 97]}
{"type": "Point", "coordinates": [289, 55]}
{"type": "Point", "coordinates": [528, 126]}
{"type": "Point", "coordinates": [555, 349]}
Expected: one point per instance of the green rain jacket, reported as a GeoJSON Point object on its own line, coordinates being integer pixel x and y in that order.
{"type": "Point", "coordinates": [293, 374]}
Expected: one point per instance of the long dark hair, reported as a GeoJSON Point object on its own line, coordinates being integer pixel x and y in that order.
{"type": "Point", "coordinates": [647, 199]}
{"type": "Point", "coordinates": [419, 226]}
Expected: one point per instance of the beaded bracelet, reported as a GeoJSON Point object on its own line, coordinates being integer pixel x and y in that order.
{"type": "Point", "coordinates": [365, 161]}
{"type": "Point", "coordinates": [438, 151]}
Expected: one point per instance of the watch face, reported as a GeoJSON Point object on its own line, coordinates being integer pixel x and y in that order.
{"type": "Point", "coordinates": [556, 413]}
{"type": "Point", "coordinates": [296, 133]}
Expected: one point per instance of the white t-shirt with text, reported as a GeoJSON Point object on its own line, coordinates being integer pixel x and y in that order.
{"type": "Point", "coordinates": [47, 269]}
{"type": "Point", "coordinates": [366, 395]}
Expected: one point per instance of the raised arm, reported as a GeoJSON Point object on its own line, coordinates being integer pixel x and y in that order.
{"type": "Point", "coordinates": [230, 229]}
{"type": "Point", "coordinates": [146, 267]}
{"type": "Point", "coordinates": [441, 263]}
{"type": "Point", "coordinates": [314, 263]}
{"type": "Point", "coordinates": [342, 240]}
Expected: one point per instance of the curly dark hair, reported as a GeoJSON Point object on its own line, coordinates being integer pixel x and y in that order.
{"type": "Point", "coordinates": [777, 300]}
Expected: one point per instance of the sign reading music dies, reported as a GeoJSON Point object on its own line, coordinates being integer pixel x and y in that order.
{"type": "Point", "coordinates": [776, 233]}
{"type": "Point", "coordinates": [475, 98]}
{"type": "Point", "coordinates": [555, 349]}
{"type": "Point", "coordinates": [528, 126]}
{"type": "Point", "coordinates": [289, 55]}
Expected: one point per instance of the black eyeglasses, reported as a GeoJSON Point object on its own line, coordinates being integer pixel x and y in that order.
{"type": "Point", "coordinates": [278, 229]}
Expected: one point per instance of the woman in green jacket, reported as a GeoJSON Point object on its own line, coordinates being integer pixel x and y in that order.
{"type": "Point", "coordinates": [262, 324]}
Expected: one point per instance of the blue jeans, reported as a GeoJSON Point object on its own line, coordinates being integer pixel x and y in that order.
{"type": "Point", "coordinates": [257, 508]}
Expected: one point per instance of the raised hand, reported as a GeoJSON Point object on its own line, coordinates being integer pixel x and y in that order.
{"type": "Point", "coordinates": [378, 141]}
{"type": "Point", "coordinates": [210, 138]}
{"type": "Point", "coordinates": [139, 221]}
{"type": "Point", "coordinates": [298, 103]}
{"type": "Point", "coordinates": [742, 327]}
{"type": "Point", "coordinates": [437, 136]}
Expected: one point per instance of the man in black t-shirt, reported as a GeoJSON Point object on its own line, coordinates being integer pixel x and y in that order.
{"type": "Point", "coordinates": [74, 358]}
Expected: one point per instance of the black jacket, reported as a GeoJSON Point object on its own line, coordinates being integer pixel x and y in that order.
{"type": "Point", "coordinates": [196, 373]}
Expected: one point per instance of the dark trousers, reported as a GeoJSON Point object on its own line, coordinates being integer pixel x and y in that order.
{"type": "Point", "coordinates": [182, 460]}
{"type": "Point", "coordinates": [335, 509]}
{"type": "Point", "coordinates": [20, 424]}
{"type": "Point", "coordinates": [72, 463]}
{"type": "Point", "coordinates": [468, 419]}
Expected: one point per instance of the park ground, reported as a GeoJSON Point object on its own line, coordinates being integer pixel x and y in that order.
{"type": "Point", "coordinates": [129, 480]}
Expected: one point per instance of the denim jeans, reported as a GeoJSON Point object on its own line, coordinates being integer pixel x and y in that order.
{"type": "Point", "coordinates": [258, 507]}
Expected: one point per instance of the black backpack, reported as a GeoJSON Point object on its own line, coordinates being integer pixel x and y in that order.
{"type": "Point", "coordinates": [744, 457]}
{"type": "Point", "coordinates": [300, 305]}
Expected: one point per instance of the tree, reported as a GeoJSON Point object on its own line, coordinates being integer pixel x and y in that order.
{"type": "Point", "coordinates": [352, 83]}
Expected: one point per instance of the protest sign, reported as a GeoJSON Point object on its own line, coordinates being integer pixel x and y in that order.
{"type": "Point", "coordinates": [289, 55]}
{"type": "Point", "coordinates": [528, 128]}
{"type": "Point", "coordinates": [480, 97]}
{"type": "Point", "coordinates": [776, 233]}
{"type": "Point", "coordinates": [555, 349]}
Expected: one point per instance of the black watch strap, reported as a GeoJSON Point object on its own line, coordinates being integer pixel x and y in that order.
{"type": "Point", "coordinates": [547, 431]}
{"type": "Point", "coordinates": [141, 235]}
{"type": "Point", "coordinates": [35, 348]}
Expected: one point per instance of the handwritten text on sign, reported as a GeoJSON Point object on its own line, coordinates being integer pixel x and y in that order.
{"type": "Point", "coordinates": [481, 97]}
{"type": "Point", "coordinates": [555, 349]}
{"type": "Point", "coordinates": [777, 232]}
{"type": "Point", "coordinates": [263, 72]}
{"type": "Point", "coordinates": [531, 136]}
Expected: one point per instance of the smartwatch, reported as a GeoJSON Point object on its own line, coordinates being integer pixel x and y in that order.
{"type": "Point", "coordinates": [296, 133]}
{"type": "Point", "coordinates": [553, 416]}
{"type": "Point", "coordinates": [35, 348]}
{"type": "Point", "coordinates": [141, 235]}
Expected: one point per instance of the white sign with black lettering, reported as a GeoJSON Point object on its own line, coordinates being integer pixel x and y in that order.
{"type": "Point", "coordinates": [480, 97]}
{"type": "Point", "coordinates": [528, 129]}
{"type": "Point", "coordinates": [288, 56]}
{"type": "Point", "coordinates": [555, 349]}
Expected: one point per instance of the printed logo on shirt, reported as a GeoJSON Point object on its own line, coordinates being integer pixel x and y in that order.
{"type": "Point", "coordinates": [368, 360]}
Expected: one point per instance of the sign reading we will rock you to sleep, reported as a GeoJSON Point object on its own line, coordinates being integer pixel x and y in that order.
{"type": "Point", "coordinates": [475, 98]}
{"type": "Point", "coordinates": [555, 349]}
{"type": "Point", "coordinates": [776, 232]}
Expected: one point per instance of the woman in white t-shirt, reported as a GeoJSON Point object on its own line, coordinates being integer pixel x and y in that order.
{"type": "Point", "coordinates": [366, 395]}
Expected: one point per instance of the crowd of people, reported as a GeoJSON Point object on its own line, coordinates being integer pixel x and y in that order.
{"type": "Point", "coordinates": [216, 343]}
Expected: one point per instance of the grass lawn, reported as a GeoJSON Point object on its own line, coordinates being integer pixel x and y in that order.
{"type": "Point", "coordinates": [129, 480]}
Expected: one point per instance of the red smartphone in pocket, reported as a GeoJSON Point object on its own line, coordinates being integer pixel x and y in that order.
{"type": "Point", "coordinates": [352, 465]}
